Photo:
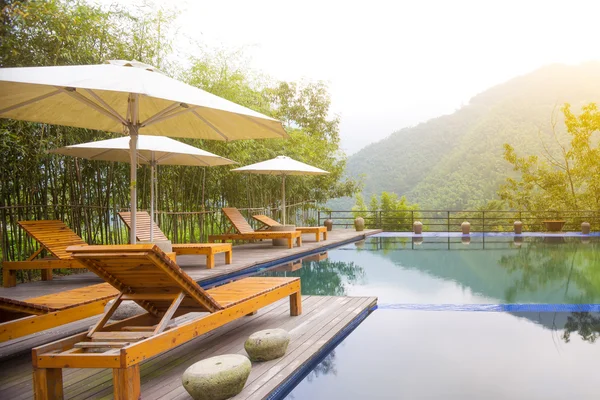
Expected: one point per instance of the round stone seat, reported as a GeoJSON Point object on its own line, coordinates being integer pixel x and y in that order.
{"type": "Point", "coordinates": [217, 378]}
{"type": "Point", "coordinates": [267, 345]}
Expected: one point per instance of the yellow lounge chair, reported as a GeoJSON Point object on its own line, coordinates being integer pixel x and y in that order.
{"type": "Point", "coordinates": [25, 317]}
{"type": "Point", "coordinates": [142, 233]}
{"type": "Point", "coordinates": [316, 230]}
{"type": "Point", "coordinates": [245, 231]}
{"type": "Point", "coordinates": [144, 274]}
{"type": "Point", "coordinates": [53, 236]}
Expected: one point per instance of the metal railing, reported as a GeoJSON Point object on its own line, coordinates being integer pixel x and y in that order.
{"type": "Point", "coordinates": [102, 225]}
{"type": "Point", "coordinates": [450, 221]}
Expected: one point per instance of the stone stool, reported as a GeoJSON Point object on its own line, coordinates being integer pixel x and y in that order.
{"type": "Point", "coordinates": [282, 228]}
{"type": "Point", "coordinates": [267, 345]}
{"type": "Point", "coordinates": [126, 309]}
{"type": "Point", "coordinates": [217, 378]}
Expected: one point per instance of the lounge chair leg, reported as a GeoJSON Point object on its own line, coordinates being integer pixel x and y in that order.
{"type": "Point", "coordinates": [210, 261]}
{"type": "Point", "coordinates": [228, 257]}
{"type": "Point", "coordinates": [47, 384]}
{"type": "Point", "coordinates": [46, 274]}
{"type": "Point", "coordinates": [318, 236]}
{"type": "Point", "coordinates": [290, 243]}
{"type": "Point", "coordinates": [126, 382]}
{"type": "Point", "coordinates": [325, 235]}
{"type": "Point", "coordinates": [252, 313]}
{"type": "Point", "coordinates": [299, 241]}
{"type": "Point", "coordinates": [295, 304]}
{"type": "Point", "coordinates": [9, 277]}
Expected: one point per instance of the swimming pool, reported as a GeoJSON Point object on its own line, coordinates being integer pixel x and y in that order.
{"type": "Point", "coordinates": [512, 338]}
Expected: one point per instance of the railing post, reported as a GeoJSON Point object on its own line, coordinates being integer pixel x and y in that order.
{"type": "Point", "coordinates": [412, 220]}
{"type": "Point", "coordinates": [483, 221]}
{"type": "Point", "coordinates": [448, 220]}
{"type": "Point", "coordinates": [175, 230]}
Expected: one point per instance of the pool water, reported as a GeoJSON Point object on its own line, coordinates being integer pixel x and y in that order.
{"type": "Point", "coordinates": [407, 349]}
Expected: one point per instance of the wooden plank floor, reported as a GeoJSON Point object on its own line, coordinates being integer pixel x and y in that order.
{"type": "Point", "coordinates": [245, 256]}
{"type": "Point", "coordinates": [321, 321]}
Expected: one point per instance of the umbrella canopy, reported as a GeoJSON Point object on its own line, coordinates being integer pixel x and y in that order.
{"type": "Point", "coordinates": [127, 97]}
{"type": "Point", "coordinates": [283, 166]}
{"type": "Point", "coordinates": [152, 150]}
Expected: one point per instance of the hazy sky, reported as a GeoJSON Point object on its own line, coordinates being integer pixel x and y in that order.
{"type": "Point", "coordinates": [395, 64]}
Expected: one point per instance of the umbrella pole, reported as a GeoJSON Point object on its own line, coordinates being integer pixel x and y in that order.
{"type": "Point", "coordinates": [133, 139]}
{"type": "Point", "coordinates": [283, 200]}
{"type": "Point", "coordinates": [152, 178]}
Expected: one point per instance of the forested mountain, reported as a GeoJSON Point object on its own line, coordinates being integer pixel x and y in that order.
{"type": "Point", "coordinates": [456, 161]}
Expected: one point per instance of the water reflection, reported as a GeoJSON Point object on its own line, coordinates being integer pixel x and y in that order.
{"type": "Point", "coordinates": [462, 355]}
{"type": "Point", "coordinates": [585, 324]}
{"type": "Point", "coordinates": [568, 265]}
{"type": "Point", "coordinates": [325, 277]}
{"type": "Point", "coordinates": [457, 355]}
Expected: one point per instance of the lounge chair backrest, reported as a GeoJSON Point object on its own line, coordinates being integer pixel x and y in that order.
{"type": "Point", "coordinates": [54, 235]}
{"type": "Point", "coordinates": [142, 230]}
{"type": "Point", "coordinates": [143, 269]}
{"type": "Point", "coordinates": [237, 220]}
{"type": "Point", "coordinates": [266, 220]}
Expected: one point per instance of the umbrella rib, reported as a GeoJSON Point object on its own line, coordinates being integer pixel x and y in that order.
{"type": "Point", "coordinates": [209, 124]}
{"type": "Point", "coordinates": [159, 114]}
{"type": "Point", "coordinates": [27, 102]}
{"type": "Point", "coordinates": [167, 116]}
{"type": "Point", "coordinates": [202, 161]}
{"type": "Point", "coordinates": [105, 105]}
{"type": "Point", "coordinates": [165, 157]}
{"type": "Point", "coordinates": [263, 125]}
{"type": "Point", "coordinates": [78, 96]}
{"type": "Point", "coordinates": [100, 154]}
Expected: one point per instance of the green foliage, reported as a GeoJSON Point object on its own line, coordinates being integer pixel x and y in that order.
{"type": "Point", "coordinates": [567, 181]}
{"type": "Point", "coordinates": [68, 32]}
{"type": "Point", "coordinates": [456, 161]}
{"type": "Point", "coordinates": [387, 212]}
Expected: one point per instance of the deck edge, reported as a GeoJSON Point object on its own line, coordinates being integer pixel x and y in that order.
{"type": "Point", "coordinates": [287, 385]}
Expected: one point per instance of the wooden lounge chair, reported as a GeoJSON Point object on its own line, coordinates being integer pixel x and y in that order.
{"type": "Point", "coordinates": [316, 230]}
{"type": "Point", "coordinates": [245, 231]}
{"type": "Point", "coordinates": [53, 236]}
{"type": "Point", "coordinates": [21, 318]}
{"type": "Point", "coordinates": [142, 233]}
{"type": "Point", "coordinates": [144, 274]}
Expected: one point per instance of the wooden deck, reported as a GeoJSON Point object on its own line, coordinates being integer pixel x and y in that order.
{"type": "Point", "coordinates": [323, 320]}
{"type": "Point", "coordinates": [246, 258]}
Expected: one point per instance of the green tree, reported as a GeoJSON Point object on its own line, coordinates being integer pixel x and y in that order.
{"type": "Point", "coordinates": [567, 181]}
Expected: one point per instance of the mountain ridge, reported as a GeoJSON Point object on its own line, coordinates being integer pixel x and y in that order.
{"type": "Point", "coordinates": [455, 161]}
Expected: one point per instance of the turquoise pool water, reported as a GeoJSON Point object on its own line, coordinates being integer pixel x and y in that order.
{"type": "Point", "coordinates": [404, 349]}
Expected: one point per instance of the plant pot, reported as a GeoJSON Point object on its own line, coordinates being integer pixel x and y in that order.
{"type": "Point", "coordinates": [329, 224]}
{"type": "Point", "coordinates": [359, 224]}
{"type": "Point", "coordinates": [418, 228]}
{"type": "Point", "coordinates": [518, 225]}
{"type": "Point", "coordinates": [585, 228]}
{"type": "Point", "coordinates": [465, 227]}
{"type": "Point", "coordinates": [554, 226]}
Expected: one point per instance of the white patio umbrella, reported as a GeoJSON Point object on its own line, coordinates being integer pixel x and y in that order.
{"type": "Point", "coordinates": [127, 97]}
{"type": "Point", "coordinates": [283, 166]}
{"type": "Point", "coordinates": [151, 150]}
